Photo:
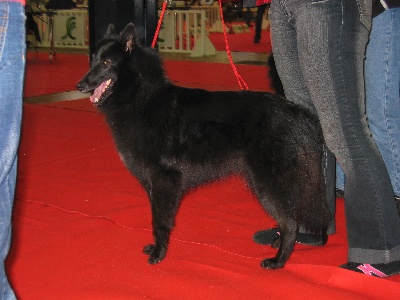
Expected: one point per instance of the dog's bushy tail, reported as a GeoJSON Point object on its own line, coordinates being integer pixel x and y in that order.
{"type": "Point", "coordinates": [311, 211]}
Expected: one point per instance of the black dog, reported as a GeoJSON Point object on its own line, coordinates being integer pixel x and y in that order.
{"type": "Point", "coordinates": [174, 139]}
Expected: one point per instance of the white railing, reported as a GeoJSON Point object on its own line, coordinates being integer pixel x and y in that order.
{"type": "Point", "coordinates": [184, 31]}
{"type": "Point", "coordinates": [213, 17]}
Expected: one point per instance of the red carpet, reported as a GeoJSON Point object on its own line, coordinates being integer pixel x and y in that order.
{"type": "Point", "coordinates": [81, 220]}
{"type": "Point", "coordinates": [242, 42]}
{"type": "Point", "coordinates": [213, 76]}
{"type": "Point", "coordinates": [44, 77]}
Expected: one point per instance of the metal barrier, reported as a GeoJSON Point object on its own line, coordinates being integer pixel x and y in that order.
{"type": "Point", "coordinates": [184, 31]}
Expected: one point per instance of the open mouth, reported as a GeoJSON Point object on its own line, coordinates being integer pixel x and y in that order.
{"type": "Point", "coordinates": [101, 91]}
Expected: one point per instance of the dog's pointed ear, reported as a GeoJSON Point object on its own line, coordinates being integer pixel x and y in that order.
{"type": "Point", "coordinates": [128, 37]}
{"type": "Point", "coordinates": [110, 31]}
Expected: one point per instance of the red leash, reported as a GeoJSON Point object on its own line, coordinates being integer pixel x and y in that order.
{"type": "Point", "coordinates": [164, 8]}
{"type": "Point", "coordinates": [240, 80]}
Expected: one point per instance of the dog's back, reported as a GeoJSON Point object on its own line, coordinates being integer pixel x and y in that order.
{"type": "Point", "coordinates": [173, 139]}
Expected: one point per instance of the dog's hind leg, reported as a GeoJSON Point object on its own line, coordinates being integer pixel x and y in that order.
{"type": "Point", "coordinates": [165, 195]}
{"type": "Point", "coordinates": [275, 204]}
{"type": "Point", "coordinates": [277, 196]}
{"type": "Point", "coordinates": [288, 233]}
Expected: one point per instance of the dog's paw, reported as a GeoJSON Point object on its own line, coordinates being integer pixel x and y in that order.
{"type": "Point", "coordinates": [156, 255]}
{"type": "Point", "coordinates": [271, 263]}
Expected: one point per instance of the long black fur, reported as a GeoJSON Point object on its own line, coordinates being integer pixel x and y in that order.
{"type": "Point", "coordinates": [174, 139]}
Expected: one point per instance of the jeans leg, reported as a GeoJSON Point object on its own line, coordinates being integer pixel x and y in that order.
{"type": "Point", "coordinates": [6, 196]}
{"type": "Point", "coordinates": [330, 38]}
{"type": "Point", "coordinates": [382, 75]}
{"type": "Point", "coordinates": [12, 64]}
{"type": "Point", "coordinates": [340, 105]}
{"type": "Point", "coordinates": [284, 48]}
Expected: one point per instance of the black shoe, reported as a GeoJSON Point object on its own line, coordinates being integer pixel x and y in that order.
{"type": "Point", "coordinates": [269, 237]}
{"type": "Point", "coordinates": [377, 270]}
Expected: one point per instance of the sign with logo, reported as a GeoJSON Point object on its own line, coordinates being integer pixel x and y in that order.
{"type": "Point", "coordinates": [69, 28]}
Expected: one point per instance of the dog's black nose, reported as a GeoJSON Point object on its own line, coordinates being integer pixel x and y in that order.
{"type": "Point", "coordinates": [80, 86]}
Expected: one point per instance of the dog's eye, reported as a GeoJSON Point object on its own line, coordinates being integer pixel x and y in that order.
{"type": "Point", "coordinates": [105, 62]}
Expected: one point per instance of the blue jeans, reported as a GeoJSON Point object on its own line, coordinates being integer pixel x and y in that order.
{"type": "Point", "coordinates": [340, 178]}
{"type": "Point", "coordinates": [382, 76]}
{"type": "Point", "coordinates": [319, 51]}
{"type": "Point", "coordinates": [12, 67]}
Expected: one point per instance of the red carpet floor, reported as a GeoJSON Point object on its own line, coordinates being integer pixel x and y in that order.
{"type": "Point", "coordinates": [80, 222]}
{"type": "Point", "coordinates": [242, 42]}
{"type": "Point", "coordinates": [43, 77]}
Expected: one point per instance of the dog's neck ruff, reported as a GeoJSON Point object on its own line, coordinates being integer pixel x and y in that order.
{"type": "Point", "coordinates": [99, 91]}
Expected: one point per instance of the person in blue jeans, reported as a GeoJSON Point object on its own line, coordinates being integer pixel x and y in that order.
{"type": "Point", "coordinates": [382, 77]}
{"type": "Point", "coordinates": [12, 67]}
{"type": "Point", "coordinates": [319, 49]}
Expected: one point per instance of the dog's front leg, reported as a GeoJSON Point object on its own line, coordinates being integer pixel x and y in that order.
{"type": "Point", "coordinates": [165, 195]}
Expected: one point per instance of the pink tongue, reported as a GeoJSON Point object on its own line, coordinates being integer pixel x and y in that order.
{"type": "Point", "coordinates": [97, 93]}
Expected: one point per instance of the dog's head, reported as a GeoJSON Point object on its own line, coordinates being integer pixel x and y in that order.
{"type": "Point", "coordinates": [112, 51]}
